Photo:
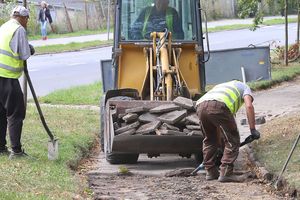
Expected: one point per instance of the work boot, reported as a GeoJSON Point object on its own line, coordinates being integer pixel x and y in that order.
{"type": "Point", "coordinates": [212, 174]}
{"type": "Point", "coordinates": [14, 155]}
{"type": "Point", "coordinates": [227, 175]}
{"type": "Point", "coordinates": [4, 151]}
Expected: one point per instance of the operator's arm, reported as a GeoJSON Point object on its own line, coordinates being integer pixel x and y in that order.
{"type": "Point", "coordinates": [250, 111]}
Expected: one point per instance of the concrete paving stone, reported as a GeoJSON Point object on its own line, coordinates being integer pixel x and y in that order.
{"type": "Point", "coordinates": [184, 102]}
{"type": "Point", "coordinates": [127, 127]}
{"type": "Point", "coordinates": [258, 120]}
{"type": "Point", "coordinates": [116, 126]}
{"type": "Point", "coordinates": [193, 127]}
{"type": "Point", "coordinates": [129, 132]}
{"type": "Point", "coordinates": [121, 115]}
{"type": "Point", "coordinates": [136, 110]}
{"type": "Point", "coordinates": [169, 127]}
{"type": "Point", "coordinates": [148, 117]}
{"type": "Point", "coordinates": [195, 133]}
{"type": "Point", "coordinates": [148, 128]}
{"type": "Point", "coordinates": [193, 119]}
{"type": "Point", "coordinates": [173, 117]}
{"type": "Point", "coordinates": [187, 131]}
{"type": "Point", "coordinates": [165, 108]}
{"type": "Point", "coordinates": [169, 132]}
{"type": "Point", "coordinates": [130, 117]}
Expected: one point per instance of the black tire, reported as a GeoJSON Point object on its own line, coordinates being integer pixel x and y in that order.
{"type": "Point", "coordinates": [122, 158]}
{"type": "Point", "coordinates": [116, 158]}
{"type": "Point", "coordinates": [198, 158]}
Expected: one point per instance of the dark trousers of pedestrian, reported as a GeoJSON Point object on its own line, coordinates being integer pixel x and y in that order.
{"type": "Point", "coordinates": [214, 116]}
{"type": "Point", "coordinates": [12, 113]}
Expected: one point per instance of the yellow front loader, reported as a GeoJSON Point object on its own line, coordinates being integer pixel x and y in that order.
{"type": "Point", "coordinates": [148, 72]}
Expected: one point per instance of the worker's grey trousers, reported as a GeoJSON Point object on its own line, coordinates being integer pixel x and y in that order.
{"type": "Point", "coordinates": [12, 112]}
{"type": "Point", "coordinates": [216, 118]}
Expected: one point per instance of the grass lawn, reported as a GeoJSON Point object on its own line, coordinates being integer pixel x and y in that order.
{"type": "Point", "coordinates": [249, 26]}
{"type": "Point", "coordinates": [80, 95]}
{"type": "Point", "coordinates": [278, 137]}
{"type": "Point", "coordinates": [74, 46]}
{"type": "Point", "coordinates": [74, 34]}
{"type": "Point", "coordinates": [39, 178]}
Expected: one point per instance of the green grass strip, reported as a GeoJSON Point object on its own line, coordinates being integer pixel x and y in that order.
{"type": "Point", "coordinates": [37, 177]}
{"type": "Point", "coordinates": [74, 46]}
{"type": "Point", "coordinates": [249, 26]}
{"type": "Point", "coordinates": [73, 34]}
{"type": "Point", "coordinates": [80, 95]}
{"type": "Point", "coordinates": [279, 75]}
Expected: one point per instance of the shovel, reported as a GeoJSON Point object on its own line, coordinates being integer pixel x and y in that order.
{"type": "Point", "coordinates": [248, 140]}
{"type": "Point", "coordinates": [52, 143]}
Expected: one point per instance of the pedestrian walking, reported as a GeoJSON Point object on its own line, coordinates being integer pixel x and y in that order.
{"type": "Point", "coordinates": [44, 18]}
{"type": "Point", "coordinates": [14, 51]}
{"type": "Point", "coordinates": [216, 111]}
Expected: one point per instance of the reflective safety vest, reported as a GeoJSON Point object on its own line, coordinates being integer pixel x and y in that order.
{"type": "Point", "coordinates": [11, 65]}
{"type": "Point", "coordinates": [169, 19]}
{"type": "Point", "coordinates": [227, 93]}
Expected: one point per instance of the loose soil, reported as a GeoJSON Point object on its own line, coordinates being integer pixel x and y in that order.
{"type": "Point", "coordinates": [278, 101]}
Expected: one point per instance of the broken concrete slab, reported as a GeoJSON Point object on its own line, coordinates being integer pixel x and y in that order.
{"type": "Point", "coordinates": [187, 131]}
{"type": "Point", "coordinates": [148, 117]}
{"type": "Point", "coordinates": [173, 117]}
{"type": "Point", "coordinates": [136, 110]}
{"type": "Point", "coordinates": [169, 127]}
{"type": "Point", "coordinates": [129, 132]}
{"type": "Point", "coordinates": [195, 133]}
{"type": "Point", "coordinates": [130, 117]}
{"type": "Point", "coordinates": [164, 108]}
{"type": "Point", "coordinates": [116, 126]}
{"type": "Point", "coordinates": [184, 103]}
{"type": "Point", "coordinates": [193, 119]}
{"type": "Point", "coordinates": [148, 128]}
{"type": "Point", "coordinates": [185, 172]}
{"type": "Point", "coordinates": [127, 127]}
{"type": "Point", "coordinates": [193, 127]}
{"type": "Point", "coordinates": [121, 115]}
{"type": "Point", "coordinates": [258, 121]}
{"type": "Point", "coordinates": [169, 132]}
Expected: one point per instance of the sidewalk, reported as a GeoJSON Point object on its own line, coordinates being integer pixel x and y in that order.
{"type": "Point", "coordinates": [104, 36]}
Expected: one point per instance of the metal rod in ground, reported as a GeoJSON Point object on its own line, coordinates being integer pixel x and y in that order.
{"type": "Point", "coordinates": [288, 159]}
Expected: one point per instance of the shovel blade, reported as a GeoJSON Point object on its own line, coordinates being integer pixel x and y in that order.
{"type": "Point", "coordinates": [53, 149]}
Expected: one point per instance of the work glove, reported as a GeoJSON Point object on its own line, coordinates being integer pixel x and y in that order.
{"type": "Point", "coordinates": [32, 50]}
{"type": "Point", "coordinates": [255, 134]}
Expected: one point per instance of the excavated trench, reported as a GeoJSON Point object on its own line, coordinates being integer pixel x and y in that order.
{"type": "Point", "coordinates": [147, 180]}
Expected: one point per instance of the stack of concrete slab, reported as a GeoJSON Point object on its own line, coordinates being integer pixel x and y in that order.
{"type": "Point", "coordinates": [176, 118]}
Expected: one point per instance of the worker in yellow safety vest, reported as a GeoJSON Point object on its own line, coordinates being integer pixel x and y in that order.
{"type": "Point", "coordinates": [156, 19]}
{"type": "Point", "coordinates": [216, 111]}
{"type": "Point", "coordinates": [14, 50]}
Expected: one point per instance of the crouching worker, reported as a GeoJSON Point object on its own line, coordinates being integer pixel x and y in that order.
{"type": "Point", "coordinates": [216, 110]}
{"type": "Point", "coordinates": [14, 50]}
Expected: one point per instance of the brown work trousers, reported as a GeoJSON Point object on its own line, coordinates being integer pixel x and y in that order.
{"type": "Point", "coordinates": [216, 119]}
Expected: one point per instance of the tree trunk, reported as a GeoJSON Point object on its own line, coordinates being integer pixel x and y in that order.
{"type": "Point", "coordinates": [286, 61]}
{"type": "Point", "coordinates": [298, 24]}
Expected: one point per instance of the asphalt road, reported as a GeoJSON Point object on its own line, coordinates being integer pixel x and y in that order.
{"type": "Point", "coordinates": [59, 71]}
{"type": "Point", "coordinates": [64, 70]}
